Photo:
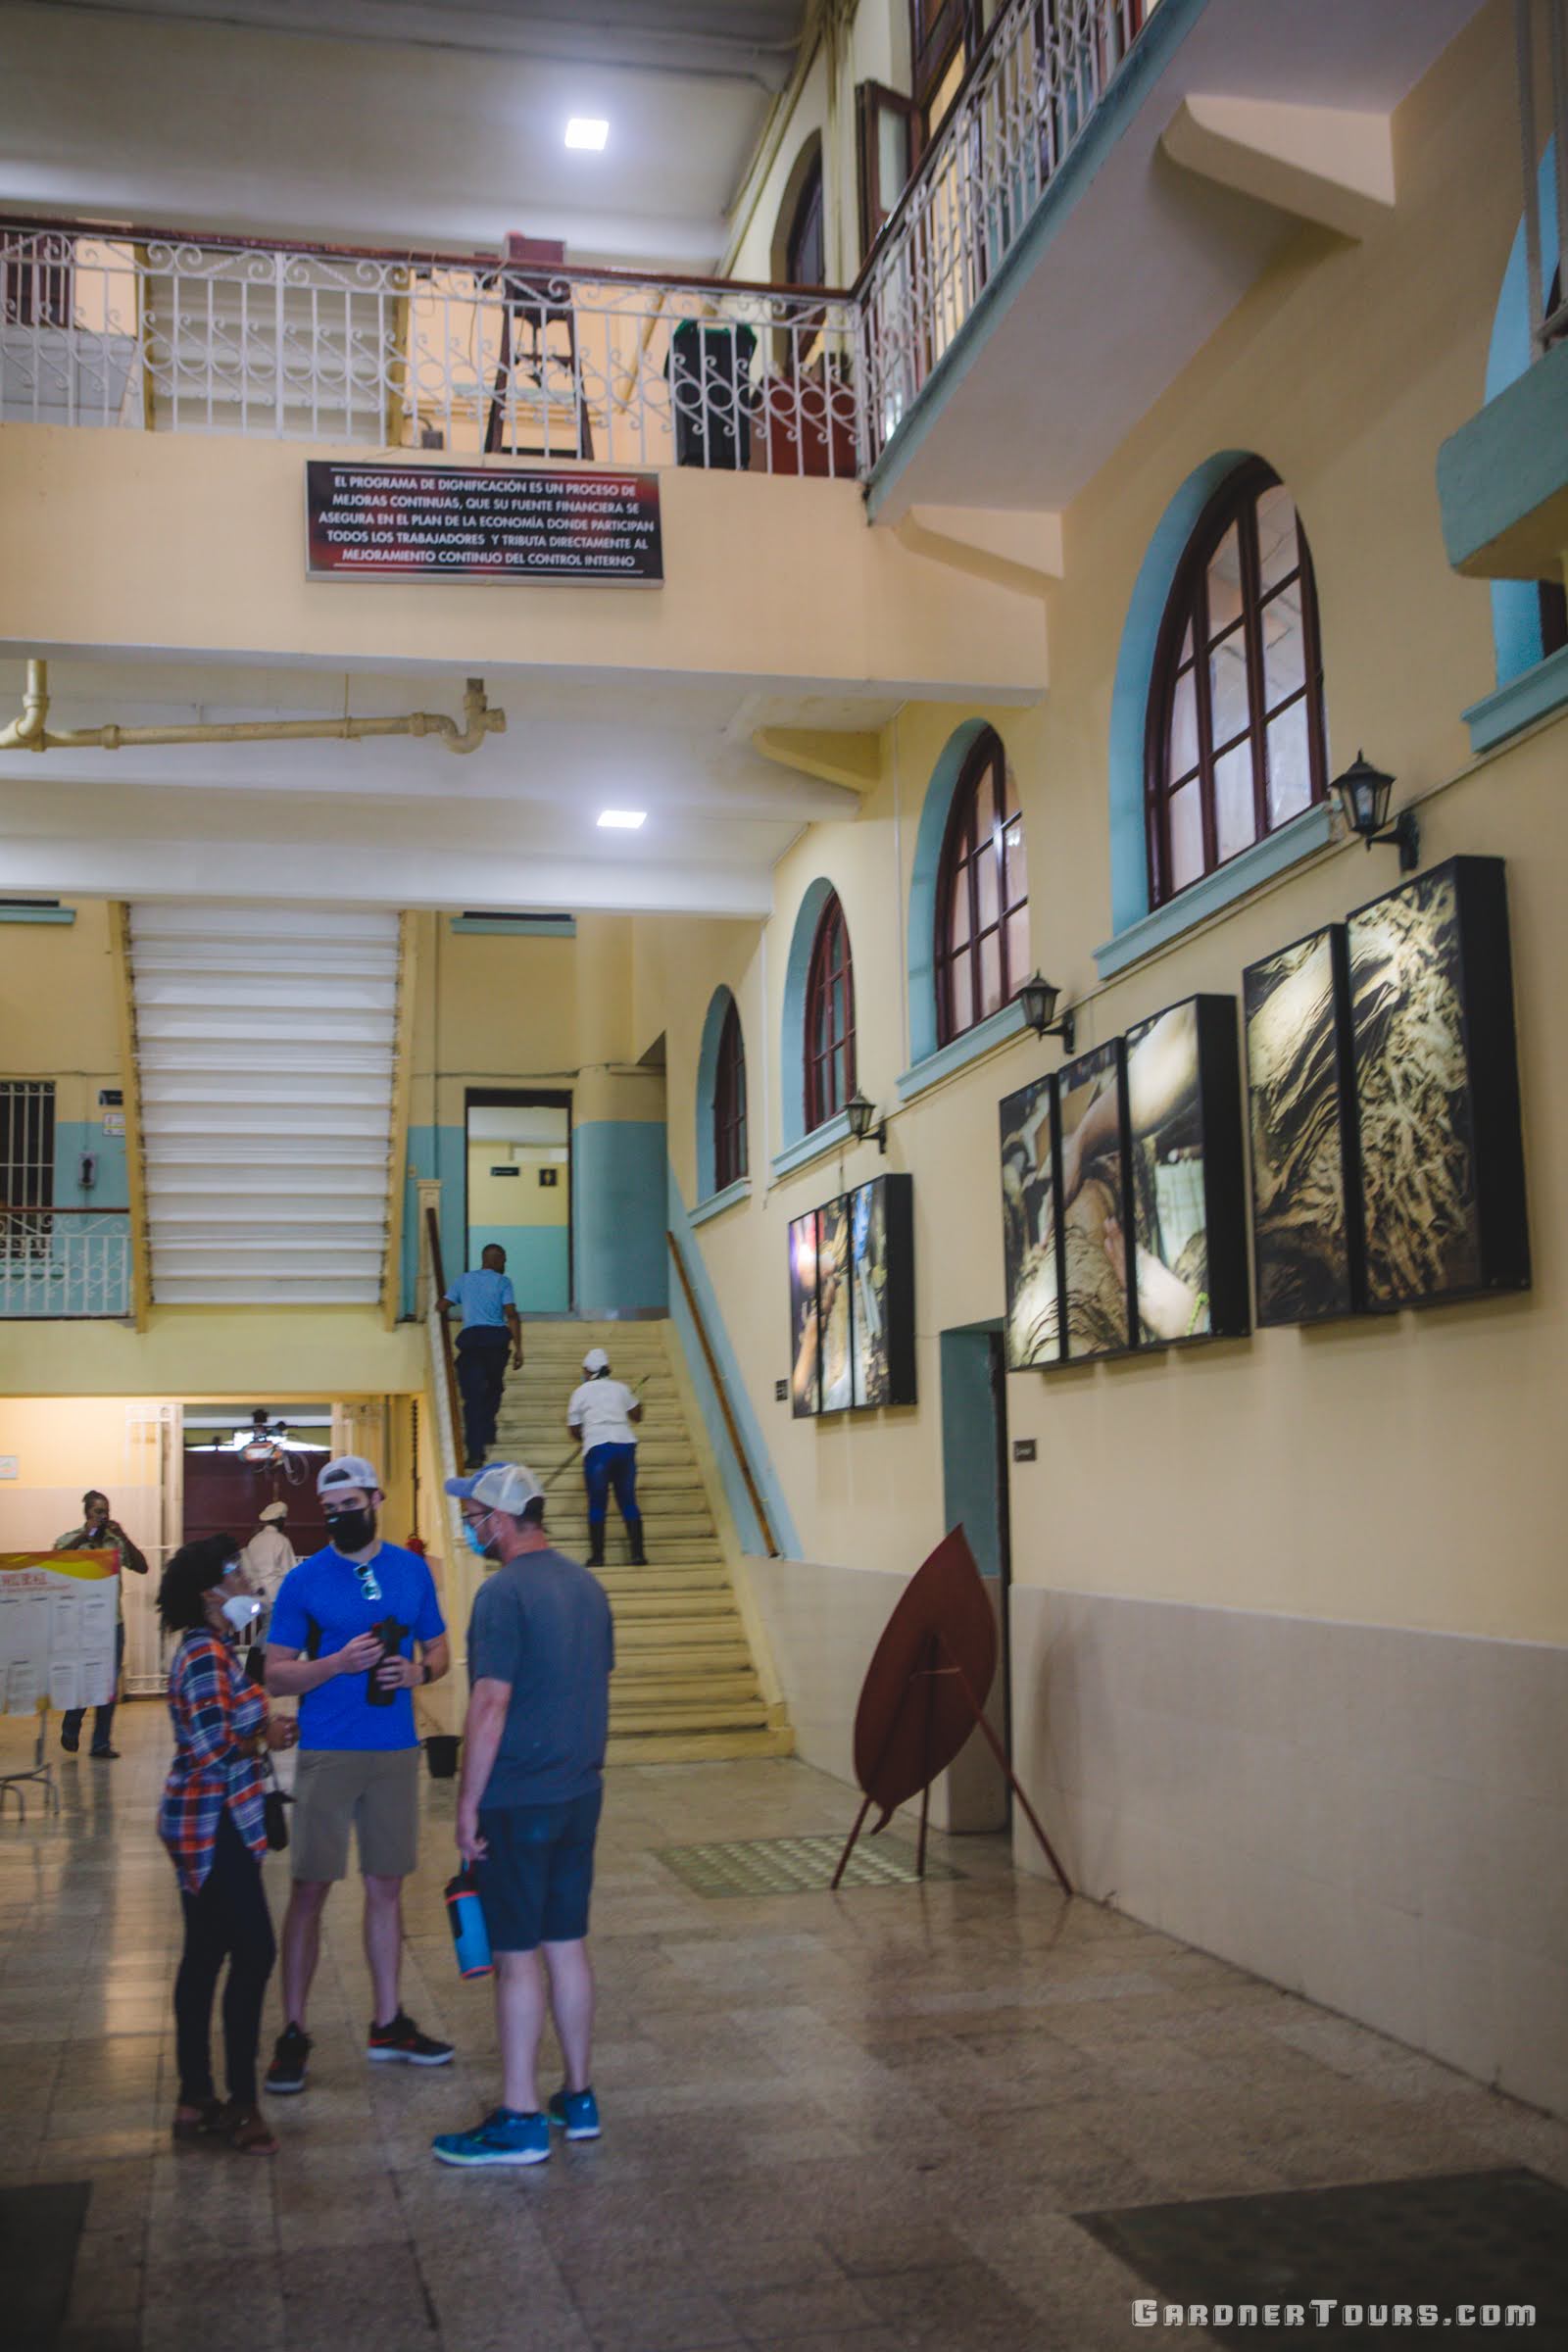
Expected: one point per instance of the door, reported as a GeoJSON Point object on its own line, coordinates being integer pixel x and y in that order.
{"type": "Point", "coordinates": [974, 1481]}
{"type": "Point", "coordinates": [518, 1165]}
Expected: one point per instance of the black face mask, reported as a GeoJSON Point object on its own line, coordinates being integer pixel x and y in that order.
{"type": "Point", "coordinates": [352, 1531]}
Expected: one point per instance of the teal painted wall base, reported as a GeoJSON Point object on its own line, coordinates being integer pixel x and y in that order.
{"type": "Point", "coordinates": [110, 1186]}
{"type": "Point", "coordinates": [618, 1181]}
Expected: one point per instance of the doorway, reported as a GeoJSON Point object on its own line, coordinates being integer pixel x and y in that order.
{"type": "Point", "coordinates": [518, 1171]}
{"type": "Point", "coordinates": [238, 1459]}
{"type": "Point", "coordinates": [974, 1481]}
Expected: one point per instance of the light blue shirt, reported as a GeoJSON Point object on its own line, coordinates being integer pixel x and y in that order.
{"type": "Point", "coordinates": [482, 1296]}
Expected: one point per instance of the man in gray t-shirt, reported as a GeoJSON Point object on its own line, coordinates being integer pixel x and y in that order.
{"type": "Point", "coordinates": [541, 1650]}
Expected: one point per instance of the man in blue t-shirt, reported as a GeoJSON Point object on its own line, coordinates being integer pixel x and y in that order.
{"type": "Point", "coordinates": [342, 1640]}
{"type": "Point", "coordinates": [487, 1303]}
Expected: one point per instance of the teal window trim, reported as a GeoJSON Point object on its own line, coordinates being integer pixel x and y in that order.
{"type": "Point", "coordinates": [817, 1146]}
{"type": "Point", "coordinates": [1302, 838]}
{"type": "Point", "coordinates": [1519, 703]}
{"type": "Point", "coordinates": [996, 1029]}
{"type": "Point", "coordinates": [717, 1202]}
{"type": "Point", "coordinates": [922, 933]}
{"type": "Point", "coordinates": [792, 1053]}
{"type": "Point", "coordinates": [38, 915]}
{"type": "Point", "coordinates": [718, 1005]}
{"type": "Point", "coordinates": [525, 927]}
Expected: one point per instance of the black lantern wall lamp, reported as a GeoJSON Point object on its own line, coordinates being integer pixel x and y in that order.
{"type": "Point", "coordinates": [860, 1114]}
{"type": "Point", "coordinates": [1037, 998]}
{"type": "Point", "coordinates": [1363, 792]}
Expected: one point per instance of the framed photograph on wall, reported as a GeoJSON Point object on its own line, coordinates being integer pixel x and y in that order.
{"type": "Point", "coordinates": [805, 1364]}
{"type": "Point", "coordinates": [833, 1305]}
{"type": "Point", "coordinates": [882, 1291]}
{"type": "Point", "coordinates": [1031, 1240]}
{"type": "Point", "coordinates": [1436, 1089]}
{"type": "Point", "coordinates": [1307, 1201]}
{"type": "Point", "coordinates": [1096, 1228]}
{"type": "Point", "coordinates": [1184, 1111]}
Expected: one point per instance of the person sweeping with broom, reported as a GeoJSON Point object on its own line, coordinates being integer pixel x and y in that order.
{"type": "Point", "coordinates": [600, 1417]}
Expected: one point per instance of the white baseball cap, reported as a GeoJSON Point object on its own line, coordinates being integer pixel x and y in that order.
{"type": "Point", "coordinates": [349, 1470]}
{"type": "Point", "coordinates": [503, 1486]}
{"type": "Point", "coordinates": [273, 1512]}
{"type": "Point", "coordinates": [596, 1360]}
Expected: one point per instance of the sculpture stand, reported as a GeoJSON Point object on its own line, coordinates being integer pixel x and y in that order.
{"type": "Point", "coordinates": [927, 1674]}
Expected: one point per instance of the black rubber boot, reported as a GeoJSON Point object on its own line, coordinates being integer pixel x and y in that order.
{"type": "Point", "coordinates": [639, 1558]}
{"type": "Point", "coordinates": [596, 1546]}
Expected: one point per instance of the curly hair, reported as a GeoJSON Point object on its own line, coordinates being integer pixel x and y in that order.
{"type": "Point", "coordinates": [189, 1576]}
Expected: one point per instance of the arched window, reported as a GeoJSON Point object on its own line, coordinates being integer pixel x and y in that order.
{"type": "Point", "coordinates": [729, 1102]}
{"type": "Point", "coordinates": [981, 935]}
{"type": "Point", "coordinates": [805, 245]}
{"type": "Point", "coordinates": [1236, 738]}
{"type": "Point", "coordinates": [829, 1017]}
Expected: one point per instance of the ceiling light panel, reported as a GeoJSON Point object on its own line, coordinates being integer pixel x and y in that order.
{"type": "Point", "coordinates": [587, 131]}
{"type": "Point", "coordinates": [622, 821]}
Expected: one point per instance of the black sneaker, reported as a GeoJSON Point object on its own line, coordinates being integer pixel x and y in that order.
{"type": "Point", "coordinates": [402, 2040]}
{"type": "Point", "coordinates": [290, 2056]}
{"type": "Point", "coordinates": [105, 1755]}
{"type": "Point", "coordinates": [70, 1742]}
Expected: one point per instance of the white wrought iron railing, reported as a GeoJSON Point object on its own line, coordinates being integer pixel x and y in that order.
{"type": "Point", "coordinates": [1542, 35]}
{"type": "Point", "coordinates": [477, 356]}
{"type": "Point", "coordinates": [58, 1263]}
{"type": "Point", "coordinates": [1047, 65]}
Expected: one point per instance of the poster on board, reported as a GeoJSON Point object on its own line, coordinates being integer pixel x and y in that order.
{"type": "Point", "coordinates": [882, 1291]}
{"type": "Point", "coordinates": [1306, 1207]}
{"type": "Point", "coordinates": [1096, 1229]}
{"type": "Point", "coordinates": [1184, 1105]}
{"type": "Point", "coordinates": [1031, 1251]}
{"type": "Point", "coordinates": [833, 1303]}
{"type": "Point", "coordinates": [59, 1613]}
{"type": "Point", "coordinates": [805, 1368]}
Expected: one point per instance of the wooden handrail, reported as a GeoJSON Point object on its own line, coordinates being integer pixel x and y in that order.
{"type": "Point", "coordinates": [432, 1235]}
{"type": "Point", "coordinates": [737, 1443]}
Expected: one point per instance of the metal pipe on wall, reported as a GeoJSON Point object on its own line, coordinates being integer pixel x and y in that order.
{"type": "Point", "coordinates": [32, 733]}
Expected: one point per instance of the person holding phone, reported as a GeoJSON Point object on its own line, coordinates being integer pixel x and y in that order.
{"type": "Point", "coordinates": [212, 1822]}
{"type": "Point", "coordinates": [356, 1629]}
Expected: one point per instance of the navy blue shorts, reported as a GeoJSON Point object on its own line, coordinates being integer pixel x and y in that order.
{"type": "Point", "coordinates": [535, 1880]}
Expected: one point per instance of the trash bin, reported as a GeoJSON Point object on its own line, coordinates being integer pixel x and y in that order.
{"type": "Point", "coordinates": [710, 367]}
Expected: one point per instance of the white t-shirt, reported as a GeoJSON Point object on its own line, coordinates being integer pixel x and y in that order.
{"type": "Point", "coordinates": [268, 1558]}
{"type": "Point", "coordinates": [598, 1408]}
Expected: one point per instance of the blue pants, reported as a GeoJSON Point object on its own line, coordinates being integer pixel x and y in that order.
{"type": "Point", "coordinates": [103, 1718]}
{"type": "Point", "coordinates": [606, 1466]}
{"type": "Point", "coordinates": [483, 1353]}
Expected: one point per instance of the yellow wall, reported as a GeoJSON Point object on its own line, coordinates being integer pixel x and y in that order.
{"type": "Point", "coordinates": [273, 1352]}
{"type": "Point", "coordinates": [1406, 1471]}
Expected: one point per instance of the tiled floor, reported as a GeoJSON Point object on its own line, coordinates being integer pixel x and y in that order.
{"type": "Point", "coordinates": [858, 2121]}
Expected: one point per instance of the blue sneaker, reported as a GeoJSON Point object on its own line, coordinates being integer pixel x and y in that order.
{"type": "Point", "coordinates": [502, 2138]}
{"type": "Point", "coordinates": [576, 2113]}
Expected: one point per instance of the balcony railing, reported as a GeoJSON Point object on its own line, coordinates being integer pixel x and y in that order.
{"type": "Point", "coordinates": [479, 355]}
{"type": "Point", "coordinates": [64, 1262]}
{"type": "Point", "coordinates": [116, 328]}
{"type": "Point", "coordinates": [1047, 65]}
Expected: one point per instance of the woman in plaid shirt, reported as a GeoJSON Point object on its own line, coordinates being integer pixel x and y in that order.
{"type": "Point", "coordinates": [212, 1822]}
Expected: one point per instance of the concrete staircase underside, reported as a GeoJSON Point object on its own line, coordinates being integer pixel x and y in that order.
{"type": "Point", "coordinates": [686, 1686]}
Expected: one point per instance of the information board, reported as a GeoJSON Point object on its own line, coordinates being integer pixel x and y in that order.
{"type": "Point", "coordinates": [448, 523]}
{"type": "Point", "coordinates": [58, 1615]}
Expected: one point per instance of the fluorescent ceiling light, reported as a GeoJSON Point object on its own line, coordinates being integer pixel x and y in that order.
{"type": "Point", "coordinates": [622, 821]}
{"type": "Point", "coordinates": [586, 131]}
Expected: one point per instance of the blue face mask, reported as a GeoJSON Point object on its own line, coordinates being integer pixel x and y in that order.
{"type": "Point", "coordinates": [485, 1552]}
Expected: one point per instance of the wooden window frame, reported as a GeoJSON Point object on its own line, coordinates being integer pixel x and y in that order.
{"type": "Point", "coordinates": [963, 851]}
{"type": "Point", "coordinates": [730, 1154]}
{"type": "Point", "coordinates": [1234, 502]}
{"type": "Point", "coordinates": [813, 193]}
{"type": "Point", "coordinates": [824, 1042]}
{"type": "Point", "coordinates": [877, 205]}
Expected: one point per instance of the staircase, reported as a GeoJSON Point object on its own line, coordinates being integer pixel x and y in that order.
{"type": "Point", "coordinates": [266, 1044]}
{"type": "Point", "coordinates": [685, 1687]}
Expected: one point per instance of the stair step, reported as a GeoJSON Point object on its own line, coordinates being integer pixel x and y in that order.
{"type": "Point", "coordinates": [676, 1659]}
{"type": "Point", "coordinates": [641, 1688]}
{"type": "Point", "coordinates": [682, 1576]}
{"type": "Point", "coordinates": [672, 1608]}
{"type": "Point", "coordinates": [700, 1747]}
{"type": "Point", "coordinates": [649, 1715]}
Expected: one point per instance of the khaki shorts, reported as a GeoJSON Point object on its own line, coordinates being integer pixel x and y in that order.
{"type": "Point", "coordinates": [377, 1790]}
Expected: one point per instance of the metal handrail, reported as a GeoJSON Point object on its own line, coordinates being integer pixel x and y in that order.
{"type": "Point", "coordinates": [731, 1428]}
{"type": "Point", "coordinates": [432, 1235]}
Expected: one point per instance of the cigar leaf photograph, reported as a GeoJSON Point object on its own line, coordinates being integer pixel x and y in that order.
{"type": "Point", "coordinates": [806, 1369]}
{"type": "Point", "coordinates": [1305, 1200]}
{"type": "Point", "coordinates": [1090, 1122]}
{"type": "Point", "coordinates": [833, 1303]}
{"type": "Point", "coordinates": [1033, 1325]}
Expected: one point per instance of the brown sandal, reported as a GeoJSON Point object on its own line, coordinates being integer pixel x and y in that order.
{"type": "Point", "coordinates": [248, 2130]}
{"type": "Point", "coordinates": [197, 2122]}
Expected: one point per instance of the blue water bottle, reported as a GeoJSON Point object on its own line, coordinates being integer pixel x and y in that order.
{"type": "Point", "coordinates": [470, 1934]}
